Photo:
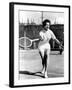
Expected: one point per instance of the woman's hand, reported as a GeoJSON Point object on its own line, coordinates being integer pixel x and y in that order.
{"type": "Point", "coordinates": [61, 46]}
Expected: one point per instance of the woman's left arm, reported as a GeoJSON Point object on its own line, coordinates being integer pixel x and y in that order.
{"type": "Point", "coordinates": [57, 41]}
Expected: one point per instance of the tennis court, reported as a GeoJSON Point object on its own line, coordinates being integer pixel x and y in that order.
{"type": "Point", "coordinates": [30, 65]}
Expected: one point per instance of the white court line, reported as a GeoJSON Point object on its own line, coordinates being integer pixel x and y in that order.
{"type": "Point", "coordinates": [55, 74]}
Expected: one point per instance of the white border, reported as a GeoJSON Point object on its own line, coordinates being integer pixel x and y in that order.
{"type": "Point", "coordinates": [16, 35]}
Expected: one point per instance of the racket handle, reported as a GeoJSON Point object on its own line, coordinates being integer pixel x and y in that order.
{"type": "Point", "coordinates": [35, 39]}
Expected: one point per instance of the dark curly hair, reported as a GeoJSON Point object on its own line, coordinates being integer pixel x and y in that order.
{"type": "Point", "coordinates": [45, 21]}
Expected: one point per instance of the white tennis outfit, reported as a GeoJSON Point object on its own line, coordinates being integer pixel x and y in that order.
{"type": "Point", "coordinates": [44, 44]}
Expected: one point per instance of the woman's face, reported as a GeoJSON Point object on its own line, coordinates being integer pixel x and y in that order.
{"type": "Point", "coordinates": [46, 27]}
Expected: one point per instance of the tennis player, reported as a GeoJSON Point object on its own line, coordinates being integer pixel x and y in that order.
{"type": "Point", "coordinates": [44, 46]}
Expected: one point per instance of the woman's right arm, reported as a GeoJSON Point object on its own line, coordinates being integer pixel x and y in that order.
{"type": "Point", "coordinates": [41, 36]}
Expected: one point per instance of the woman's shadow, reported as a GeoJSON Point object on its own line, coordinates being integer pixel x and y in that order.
{"type": "Point", "coordinates": [32, 73]}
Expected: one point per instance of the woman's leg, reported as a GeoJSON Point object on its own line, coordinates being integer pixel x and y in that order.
{"type": "Point", "coordinates": [46, 58]}
{"type": "Point", "coordinates": [42, 58]}
{"type": "Point", "coordinates": [43, 61]}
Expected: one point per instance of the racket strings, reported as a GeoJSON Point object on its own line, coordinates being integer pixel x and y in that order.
{"type": "Point", "coordinates": [25, 42]}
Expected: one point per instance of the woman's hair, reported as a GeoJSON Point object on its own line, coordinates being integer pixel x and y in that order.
{"type": "Point", "coordinates": [45, 21]}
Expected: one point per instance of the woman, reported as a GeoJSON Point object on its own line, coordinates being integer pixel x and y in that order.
{"type": "Point", "coordinates": [44, 47]}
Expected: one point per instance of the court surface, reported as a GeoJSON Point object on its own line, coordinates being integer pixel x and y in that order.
{"type": "Point", "coordinates": [30, 65]}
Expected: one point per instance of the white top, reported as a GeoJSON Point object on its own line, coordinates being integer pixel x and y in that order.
{"type": "Point", "coordinates": [45, 36]}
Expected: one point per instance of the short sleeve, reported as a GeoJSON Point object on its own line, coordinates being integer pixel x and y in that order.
{"type": "Point", "coordinates": [52, 35]}
{"type": "Point", "coordinates": [41, 35]}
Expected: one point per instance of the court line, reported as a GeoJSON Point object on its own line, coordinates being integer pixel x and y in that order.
{"type": "Point", "coordinates": [55, 74]}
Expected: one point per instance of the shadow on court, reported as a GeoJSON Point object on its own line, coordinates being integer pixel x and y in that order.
{"type": "Point", "coordinates": [30, 65]}
{"type": "Point", "coordinates": [32, 73]}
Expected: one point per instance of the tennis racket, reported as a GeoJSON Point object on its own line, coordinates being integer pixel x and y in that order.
{"type": "Point", "coordinates": [26, 42]}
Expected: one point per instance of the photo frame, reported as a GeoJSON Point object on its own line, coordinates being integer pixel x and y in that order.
{"type": "Point", "coordinates": [25, 64]}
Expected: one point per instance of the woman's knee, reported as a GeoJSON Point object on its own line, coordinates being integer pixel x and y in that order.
{"type": "Point", "coordinates": [41, 53]}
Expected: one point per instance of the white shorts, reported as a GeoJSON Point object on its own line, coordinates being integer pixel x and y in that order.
{"type": "Point", "coordinates": [44, 46]}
